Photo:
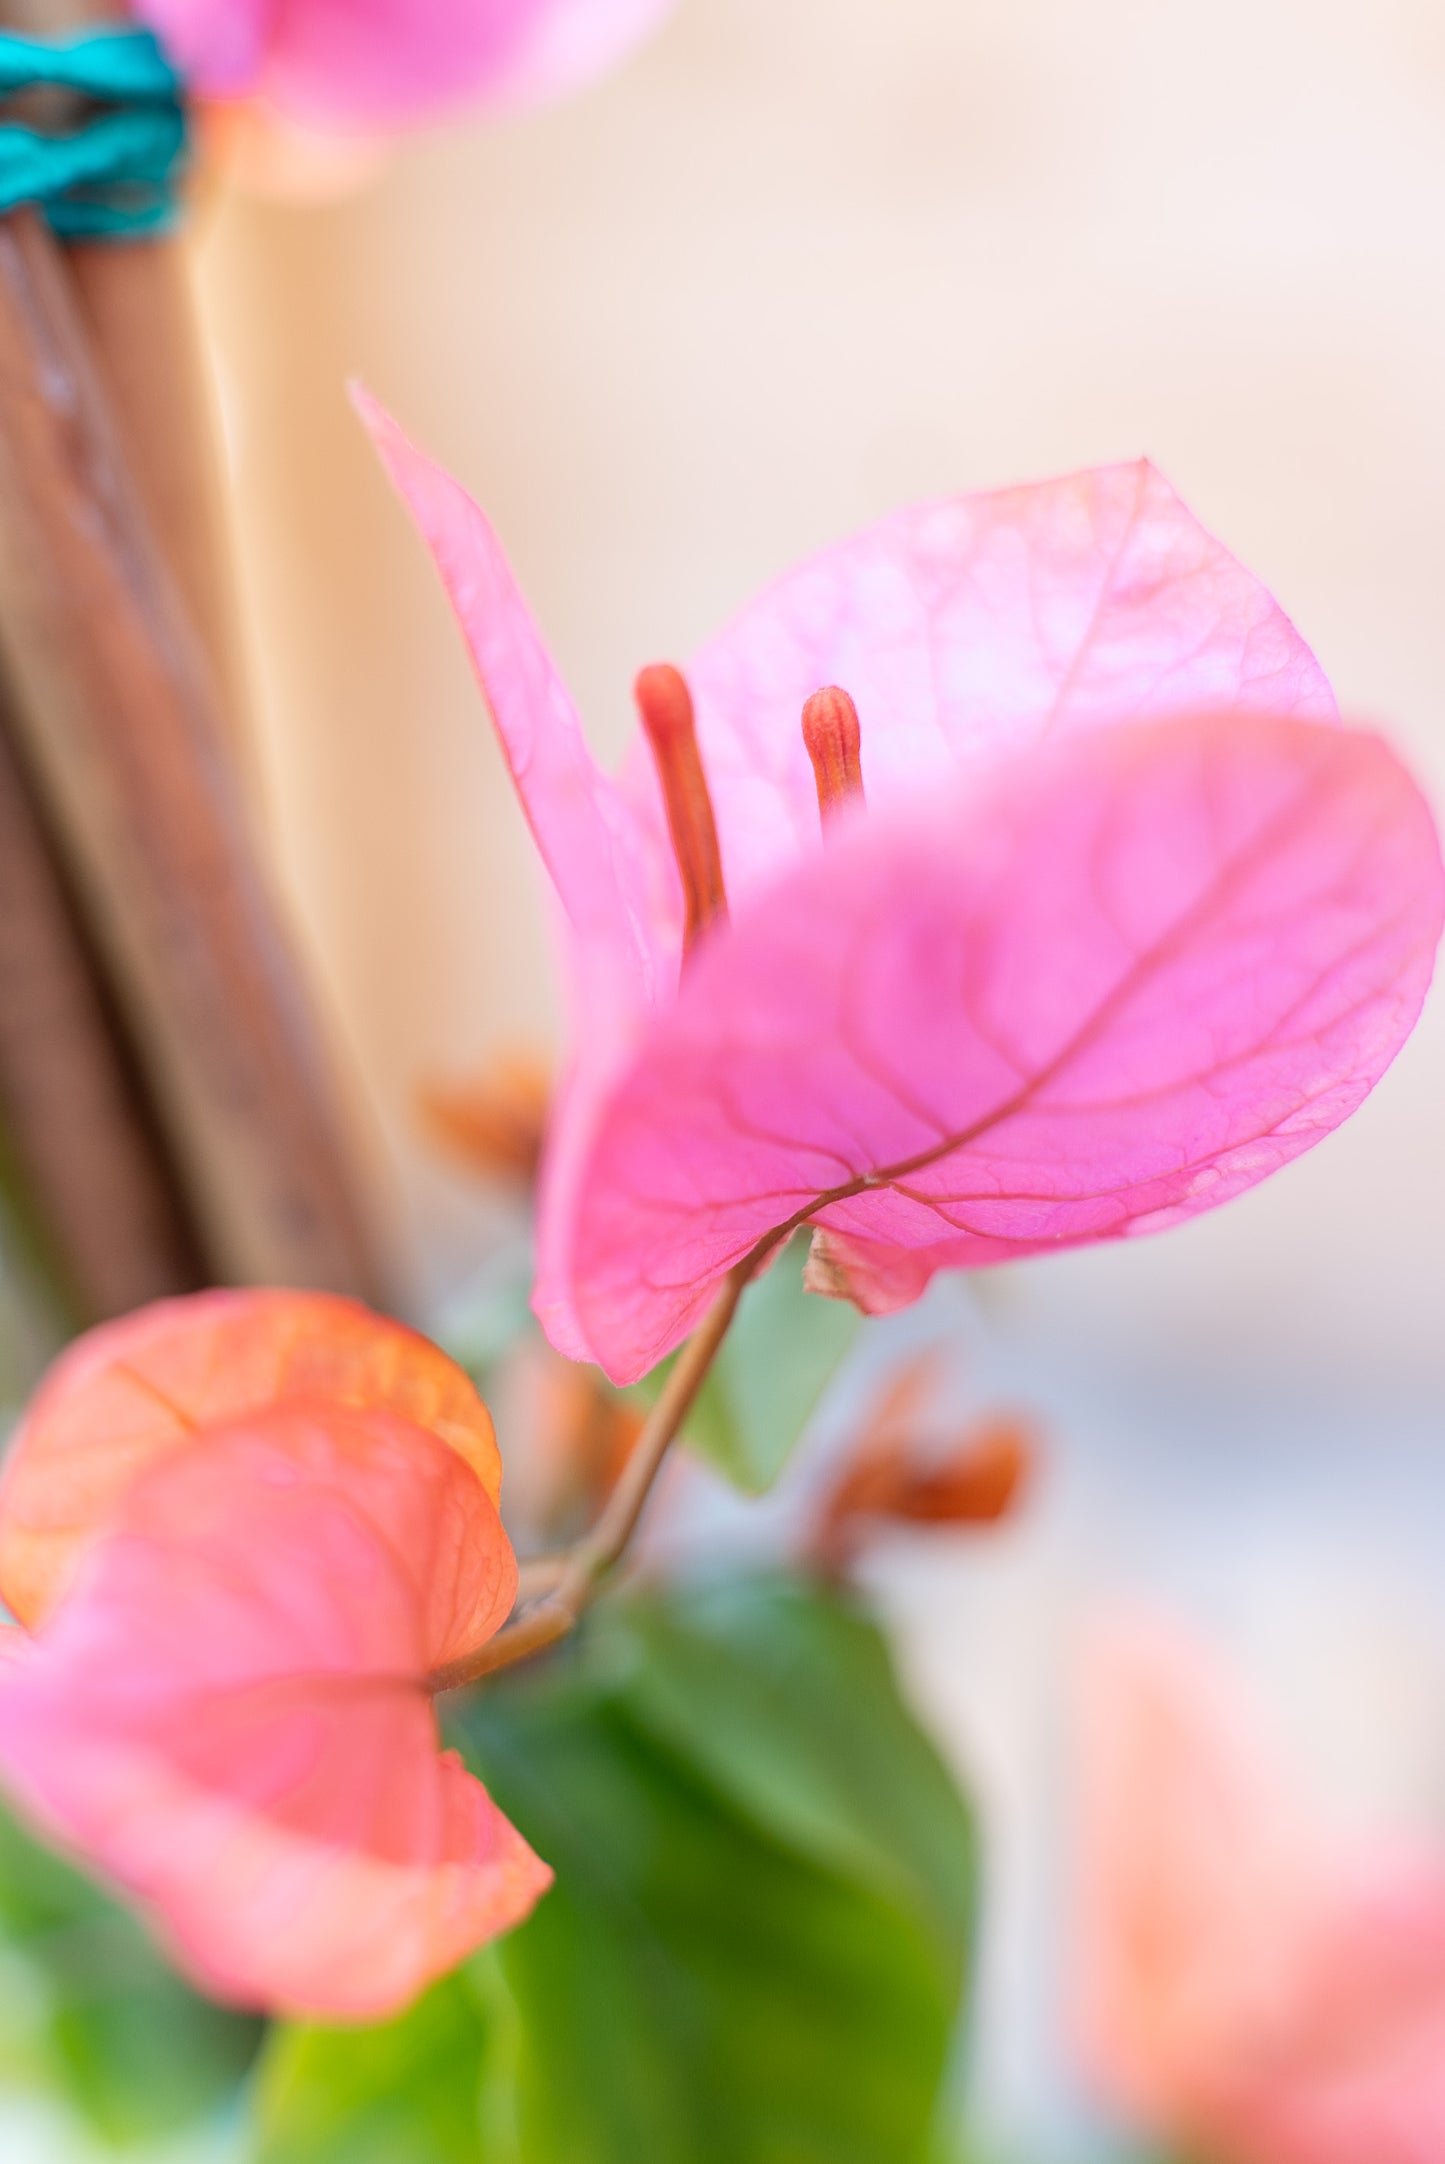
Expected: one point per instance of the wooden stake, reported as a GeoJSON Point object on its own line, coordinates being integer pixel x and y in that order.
{"type": "Point", "coordinates": [72, 1122]}
{"type": "Point", "coordinates": [139, 311]}
{"type": "Point", "coordinates": [119, 725]}
{"type": "Point", "coordinates": [91, 1174]}
{"type": "Point", "coordinates": [200, 968]}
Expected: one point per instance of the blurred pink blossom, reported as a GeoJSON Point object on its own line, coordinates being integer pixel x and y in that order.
{"type": "Point", "coordinates": [360, 66]}
{"type": "Point", "coordinates": [247, 1555]}
{"type": "Point", "coordinates": [1127, 923]}
{"type": "Point", "coordinates": [1249, 1987]}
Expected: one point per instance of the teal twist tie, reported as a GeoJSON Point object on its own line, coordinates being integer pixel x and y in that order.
{"type": "Point", "coordinates": [113, 176]}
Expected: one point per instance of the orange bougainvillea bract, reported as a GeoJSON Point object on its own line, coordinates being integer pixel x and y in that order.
{"type": "Point", "coordinates": [138, 1389]}
{"type": "Point", "coordinates": [265, 1521]}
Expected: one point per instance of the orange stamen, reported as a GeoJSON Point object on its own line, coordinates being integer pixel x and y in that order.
{"type": "Point", "coordinates": [665, 704]}
{"type": "Point", "coordinates": [835, 744]}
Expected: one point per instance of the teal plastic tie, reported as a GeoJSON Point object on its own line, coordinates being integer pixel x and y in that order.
{"type": "Point", "coordinates": [114, 175]}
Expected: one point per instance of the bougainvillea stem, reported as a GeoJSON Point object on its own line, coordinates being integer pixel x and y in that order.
{"type": "Point", "coordinates": [584, 1567]}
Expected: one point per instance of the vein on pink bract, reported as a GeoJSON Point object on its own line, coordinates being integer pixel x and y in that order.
{"type": "Point", "coordinates": [360, 65]}
{"type": "Point", "coordinates": [228, 1713]}
{"type": "Point", "coordinates": [1128, 921]}
{"type": "Point", "coordinates": [1249, 1984]}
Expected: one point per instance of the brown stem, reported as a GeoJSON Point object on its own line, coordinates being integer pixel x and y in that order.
{"type": "Point", "coordinates": [585, 1565]}
{"type": "Point", "coordinates": [539, 1574]}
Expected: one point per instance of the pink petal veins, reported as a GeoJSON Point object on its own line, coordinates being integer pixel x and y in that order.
{"type": "Point", "coordinates": [1088, 994]}
{"type": "Point", "coordinates": [975, 627]}
{"type": "Point", "coordinates": [229, 1716]}
{"type": "Point", "coordinates": [364, 64]}
{"type": "Point", "coordinates": [965, 631]}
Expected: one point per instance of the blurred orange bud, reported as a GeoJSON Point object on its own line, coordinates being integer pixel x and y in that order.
{"type": "Point", "coordinates": [134, 1391]}
{"type": "Point", "coordinates": [896, 1474]}
{"type": "Point", "coordinates": [496, 1123]}
{"type": "Point", "coordinates": [253, 144]}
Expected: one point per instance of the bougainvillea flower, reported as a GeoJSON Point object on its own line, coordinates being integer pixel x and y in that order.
{"type": "Point", "coordinates": [138, 1389]}
{"type": "Point", "coordinates": [1106, 918]}
{"type": "Point", "coordinates": [1251, 1988]}
{"type": "Point", "coordinates": [364, 65]}
{"type": "Point", "coordinates": [229, 1709]}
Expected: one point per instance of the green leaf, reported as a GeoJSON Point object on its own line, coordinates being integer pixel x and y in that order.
{"type": "Point", "coordinates": [764, 1387]}
{"type": "Point", "coordinates": [786, 1698]}
{"type": "Point", "coordinates": [109, 2026]}
{"type": "Point", "coordinates": [755, 1950]}
{"type": "Point", "coordinates": [492, 1313]}
{"type": "Point", "coordinates": [423, 2089]}
{"type": "Point", "coordinates": [766, 1383]}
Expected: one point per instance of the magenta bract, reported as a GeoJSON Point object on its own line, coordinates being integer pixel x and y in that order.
{"type": "Point", "coordinates": [368, 64]}
{"type": "Point", "coordinates": [1128, 921]}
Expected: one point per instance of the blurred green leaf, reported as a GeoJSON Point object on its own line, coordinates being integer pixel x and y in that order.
{"type": "Point", "coordinates": [755, 1952]}
{"type": "Point", "coordinates": [39, 1308]}
{"type": "Point", "coordinates": [109, 2027]}
{"type": "Point", "coordinates": [787, 1699]}
{"type": "Point", "coordinates": [424, 2089]}
{"type": "Point", "coordinates": [756, 1947]}
{"type": "Point", "coordinates": [766, 1383]}
{"type": "Point", "coordinates": [492, 1313]}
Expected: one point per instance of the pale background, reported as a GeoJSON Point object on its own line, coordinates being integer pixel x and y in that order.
{"type": "Point", "coordinates": [801, 261]}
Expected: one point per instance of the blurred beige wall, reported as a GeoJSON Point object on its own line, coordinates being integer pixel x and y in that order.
{"type": "Point", "coordinates": [795, 264]}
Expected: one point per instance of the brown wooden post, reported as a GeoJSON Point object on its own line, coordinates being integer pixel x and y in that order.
{"type": "Point", "coordinates": [119, 726]}
{"type": "Point", "coordinates": [73, 1126]}
{"type": "Point", "coordinates": [70, 1115]}
{"type": "Point", "coordinates": [140, 315]}
{"type": "Point", "coordinates": [139, 312]}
